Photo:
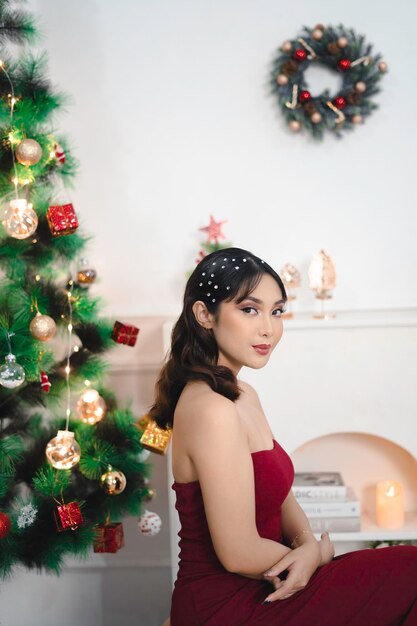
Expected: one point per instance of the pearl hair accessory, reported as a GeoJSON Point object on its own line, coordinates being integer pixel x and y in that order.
{"type": "Point", "coordinates": [211, 275]}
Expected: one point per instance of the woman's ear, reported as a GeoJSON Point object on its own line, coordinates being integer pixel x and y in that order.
{"type": "Point", "coordinates": [202, 315]}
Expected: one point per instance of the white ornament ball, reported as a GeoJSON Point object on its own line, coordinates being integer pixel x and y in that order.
{"type": "Point", "coordinates": [286, 46]}
{"type": "Point", "coordinates": [295, 126]}
{"type": "Point", "coordinates": [357, 119]}
{"type": "Point", "coordinates": [383, 66]}
{"type": "Point", "coordinates": [342, 42]}
{"type": "Point", "coordinates": [149, 523]}
{"type": "Point", "coordinates": [282, 79]}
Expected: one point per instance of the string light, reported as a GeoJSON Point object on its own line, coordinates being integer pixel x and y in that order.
{"type": "Point", "coordinates": [68, 368]}
{"type": "Point", "coordinates": [12, 103]}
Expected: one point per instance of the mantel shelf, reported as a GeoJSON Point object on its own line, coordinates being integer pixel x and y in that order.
{"type": "Point", "coordinates": [371, 532]}
{"type": "Point", "coordinates": [353, 319]}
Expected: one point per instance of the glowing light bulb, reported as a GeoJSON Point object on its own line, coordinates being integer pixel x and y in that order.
{"type": "Point", "coordinates": [91, 407]}
{"type": "Point", "coordinates": [76, 348]}
{"type": "Point", "coordinates": [67, 369]}
{"type": "Point", "coordinates": [69, 326]}
{"type": "Point", "coordinates": [37, 277]}
{"type": "Point", "coordinates": [63, 451]}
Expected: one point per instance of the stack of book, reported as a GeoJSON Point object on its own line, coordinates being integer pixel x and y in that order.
{"type": "Point", "coordinates": [328, 503]}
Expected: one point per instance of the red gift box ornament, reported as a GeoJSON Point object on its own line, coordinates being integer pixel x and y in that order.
{"type": "Point", "coordinates": [109, 537]}
{"type": "Point", "coordinates": [62, 219]}
{"type": "Point", "coordinates": [68, 516]}
{"type": "Point", "coordinates": [122, 333]}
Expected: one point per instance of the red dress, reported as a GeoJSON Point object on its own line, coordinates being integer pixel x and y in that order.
{"type": "Point", "coordinates": [372, 587]}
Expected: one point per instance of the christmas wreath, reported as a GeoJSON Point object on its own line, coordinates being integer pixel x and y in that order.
{"type": "Point", "coordinates": [341, 50]}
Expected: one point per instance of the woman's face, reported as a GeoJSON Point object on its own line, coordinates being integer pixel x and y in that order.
{"type": "Point", "coordinates": [254, 321]}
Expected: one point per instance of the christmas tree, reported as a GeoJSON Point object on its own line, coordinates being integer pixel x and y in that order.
{"type": "Point", "coordinates": [71, 461]}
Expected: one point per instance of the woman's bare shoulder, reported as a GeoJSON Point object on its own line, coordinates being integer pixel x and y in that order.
{"type": "Point", "coordinates": [248, 389]}
{"type": "Point", "coordinates": [199, 396]}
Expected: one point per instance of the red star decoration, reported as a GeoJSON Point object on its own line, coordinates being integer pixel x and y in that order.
{"type": "Point", "coordinates": [214, 230]}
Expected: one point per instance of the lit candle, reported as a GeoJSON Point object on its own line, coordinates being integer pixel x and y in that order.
{"type": "Point", "coordinates": [389, 504]}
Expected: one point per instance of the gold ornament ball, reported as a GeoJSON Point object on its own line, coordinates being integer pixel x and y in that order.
{"type": "Point", "coordinates": [295, 126]}
{"type": "Point", "coordinates": [383, 66]}
{"type": "Point", "coordinates": [28, 152]}
{"type": "Point", "coordinates": [63, 452]}
{"type": "Point", "coordinates": [360, 86]}
{"type": "Point", "coordinates": [316, 118]}
{"type": "Point", "coordinates": [282, 79]}
{"type": "Point", "coordinates": [42, 327]}
{"type": "Point", "coordinates": [286, 46]}
{"type": "Point", "coordinates": [357, 119]}
{"type": "Point", "coordinates": [150, 494]}
{"type": "Point", "coordinates": [113, 481]}
{"type": "Point", "coordinates": [91, 407]}
{"type": "Point", "coordinates": [342, 42]}
{"type": "Point", "coordinates": [317, 34]}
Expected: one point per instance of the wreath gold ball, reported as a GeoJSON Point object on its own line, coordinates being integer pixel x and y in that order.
{"type": "Point", "coordinates": [341, 50]}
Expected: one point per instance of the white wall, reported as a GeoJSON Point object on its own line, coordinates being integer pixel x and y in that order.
{"type": "Point", "coordinates": [172, 121]}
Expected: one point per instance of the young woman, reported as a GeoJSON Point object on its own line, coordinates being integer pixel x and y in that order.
{"type": "Point", "coordinates": [248, 555]}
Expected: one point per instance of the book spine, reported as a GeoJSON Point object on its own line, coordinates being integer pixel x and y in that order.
{"type": "Point", "coordinates": [336, 524]}
{"type": "Point", "coordinates": [320, 493]}
{"type": "Point", "coordinates": [331, 509]}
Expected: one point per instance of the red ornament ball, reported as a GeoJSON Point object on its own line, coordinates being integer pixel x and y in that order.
{"type": "Point", "coordinates": [300, 54]}
{"type": "Point", "coordinates": [339, 102]}
{"type": "Point", "coordinates": [343, 64]}
{"type": "Point", "coordinates": [304, 96]}
{"type": "Point", "coordinates": [5, 525]}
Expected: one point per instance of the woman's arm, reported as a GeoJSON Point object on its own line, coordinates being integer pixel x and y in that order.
{"type": "Point", "coordinates": [219, 450]}
{"type": "Point", "coordinates": [294, 522]}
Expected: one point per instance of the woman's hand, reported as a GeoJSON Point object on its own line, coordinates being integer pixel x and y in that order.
{"type": "Point", "coordinates": [301, 564]}
{"type": "Point", "coordinates": [326, 549]}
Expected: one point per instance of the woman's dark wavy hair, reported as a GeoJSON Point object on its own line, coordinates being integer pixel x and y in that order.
{"type": "Point", "coordinates": [220, 277]}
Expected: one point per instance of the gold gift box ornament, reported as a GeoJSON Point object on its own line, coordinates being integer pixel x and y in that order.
{"type": "Point", "coordinates": [154, 438]}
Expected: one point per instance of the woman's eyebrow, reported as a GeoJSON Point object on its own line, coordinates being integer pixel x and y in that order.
{"type": "Point", "coordinates": [253, 299]}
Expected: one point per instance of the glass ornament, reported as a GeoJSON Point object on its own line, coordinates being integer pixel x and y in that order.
{"type": "Point", "coordinates": [11, 373]}
{"type": "Point", "coordinates": [63, 452]}
{"type": "Point", "coordinates": [21, 220]}
{"type": "Point", "coordinates": [91, 407]}
{"type": "Point", "coordinates": [113, 481]}
{"type": "Point", "coordinates": [86, 275]}
{"type": "Point", "coordinates": [42, 327]}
